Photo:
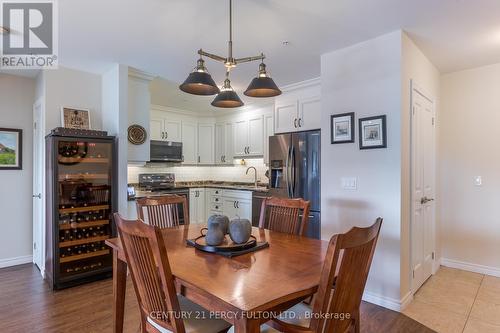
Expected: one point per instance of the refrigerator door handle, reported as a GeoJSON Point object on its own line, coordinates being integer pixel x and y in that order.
{"type": "Point", "coordinates": [287, 170]}
{"type": "Point", "coordinates": [293, 173]}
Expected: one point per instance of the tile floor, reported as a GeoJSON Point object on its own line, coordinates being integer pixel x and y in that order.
{"type": "Point", "coordinates": [456, 301]}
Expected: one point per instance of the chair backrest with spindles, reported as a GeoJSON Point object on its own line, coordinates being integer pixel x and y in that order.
{"type": "Point", "coordinates": [284, 215]}
{"type": "Point", "coordinates": [163, 211]}
{"type": "Point", "coordinates": [147, 259]}
{"type": "Point", "coordinates": [345, 271]}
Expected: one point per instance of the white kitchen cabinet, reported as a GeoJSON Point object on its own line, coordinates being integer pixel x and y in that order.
{"type": "Point", "coordinates": [173, 130]}
{"type": "Point", "coordinates": [224, 143]}
{"type": "Point", "coordinates": [197, 211]}
{"type": "Point", "coordinates": [248, 136]}
{"type": "Point", "coordinates": [268, 132]}
{"type": "Point", "coordinates": [156, 128]}
{"type": "Point", "coordinates": [206, 144]}
{"type": "Point", "coordinates": [165, 129]}
{"type": "Point", "coordinates": [285, 116]}
{"type": "Point", "coordinates": [237, 203]}
{"type": "Point", "coordinates": [190, 142]}
{"type": "Point", "coordinates": [309, 116]}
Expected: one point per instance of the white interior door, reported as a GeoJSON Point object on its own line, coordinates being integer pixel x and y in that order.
{"type": "Point", "coordinates": [423, 188]}
{"type": "Point", "coordinates": [38, 186]}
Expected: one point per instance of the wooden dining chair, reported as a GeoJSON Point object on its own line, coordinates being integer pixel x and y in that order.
{"type": "Point", "coordinates": [283, 215]}
{"type": "Point", "coordinates": [342, 283]}
{"type": "Point", "coordinates": [159, 304]}
{"type": "Point", "coordinates": [163, 211]}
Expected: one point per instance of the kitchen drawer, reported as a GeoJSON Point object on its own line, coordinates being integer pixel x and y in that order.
{"type": "Point", "coordinates": [214, 191]}
{"type": "Point", "coordinates": [215, 212]}
{"type": "Point", "coordinates": [216, 199]}
{"type": "Point", "coordinates": [238, 194]}
{"type": "Point", "coordinates": [218, 207]}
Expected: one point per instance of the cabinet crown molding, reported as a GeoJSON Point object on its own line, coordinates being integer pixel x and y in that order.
{"type": "Point", "coordinates": [302, 84]}
{"type": "Point", "coordinates": [141, 75]}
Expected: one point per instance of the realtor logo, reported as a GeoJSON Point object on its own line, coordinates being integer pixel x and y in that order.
{"type": "Point", "coordinates": [29, 38]}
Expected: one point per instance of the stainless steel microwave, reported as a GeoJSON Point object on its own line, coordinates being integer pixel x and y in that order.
{"type": "Point", "coordinates": [165, 151]}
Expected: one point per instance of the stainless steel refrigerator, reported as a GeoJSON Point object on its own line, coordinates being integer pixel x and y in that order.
{"type": "Point", "coordinates": [294, 163]}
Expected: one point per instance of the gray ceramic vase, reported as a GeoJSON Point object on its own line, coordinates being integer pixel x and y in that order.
{"type": "Point", "coordinates": [222, 220]}
{"type": "Point", "coordinates": [240, 230]}
{"type": "Point", "coordinates": [215, 234]}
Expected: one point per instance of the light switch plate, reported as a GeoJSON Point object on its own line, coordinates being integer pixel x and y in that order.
{"type": "Point", "coordinates": [349, 183]}
{"type": "Point", "coordinates": [478, 181]}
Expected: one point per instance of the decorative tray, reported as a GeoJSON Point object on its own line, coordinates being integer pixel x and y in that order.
{"type": "Point", "coordinates": [227, 245]}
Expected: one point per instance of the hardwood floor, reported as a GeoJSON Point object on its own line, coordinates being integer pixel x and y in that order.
{"type": "Point", "coordinates": [27, 305]}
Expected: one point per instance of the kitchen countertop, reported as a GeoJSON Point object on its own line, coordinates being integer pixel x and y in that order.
{"type": "Point", "coordinates": [261, 187]}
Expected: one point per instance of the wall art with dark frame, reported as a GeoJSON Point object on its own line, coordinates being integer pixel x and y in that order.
{"type": "Point", "coordinates": [372, 132]}
{"type": "Point", "coordinates": [11, 149]}
{"type": "Point", "coordinates": [342, 128]}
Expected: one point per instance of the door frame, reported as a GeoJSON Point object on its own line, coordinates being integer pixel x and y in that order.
{"type": "Point", "coordinates": [416, 88]}
{"type": "Point", "coordinates": [39, 167]}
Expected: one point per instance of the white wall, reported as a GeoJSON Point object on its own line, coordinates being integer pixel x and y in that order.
{"type": "Point", "coordinates": [17, 95]}
{"type": "Point", "coordinates": [468, 147]}
{"type": "Point", "coordinates": [73, 88]}
{"type": "Point", "coordinates": [417, 68]}
{"type": "Point", "coordinates": [365, 79]}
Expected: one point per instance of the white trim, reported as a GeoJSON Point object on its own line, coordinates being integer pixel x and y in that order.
{"type": "Point", "coordinates": [8, 262]}
{"type": "Point", "coordinates": [466, 266]}
{"type": "Point", "coordinates": [141, 75]}
{"type": "Point", "coordinates": [303, 84]}
{"type": "Point", "coordinates": [388, 302]}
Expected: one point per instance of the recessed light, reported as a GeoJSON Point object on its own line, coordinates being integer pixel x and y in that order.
{"type": "Point", "coordinates": [285, 43]}
{"type": "Point", "coordinates": [4, 30]}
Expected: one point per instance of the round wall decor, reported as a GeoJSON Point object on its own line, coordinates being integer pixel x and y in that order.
{"type": "Point", "coordinates": [137, 134]}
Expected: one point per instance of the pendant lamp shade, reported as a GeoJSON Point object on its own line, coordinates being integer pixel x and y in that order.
{"type": "Point", "coordinates": [199, 82]}
{"type": "Point", "coordinates": [262, 85]}
{"type": "Point", "coordinates": [227, 98]}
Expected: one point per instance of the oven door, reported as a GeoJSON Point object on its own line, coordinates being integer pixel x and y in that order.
{"type": "Point", "coordinates": [166, 151]}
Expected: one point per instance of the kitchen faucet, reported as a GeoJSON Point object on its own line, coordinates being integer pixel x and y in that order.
{"type": "Point", "coordinates": [255, 181]}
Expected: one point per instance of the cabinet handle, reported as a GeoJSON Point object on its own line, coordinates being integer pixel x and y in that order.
{"type": "Point", "coordinates": [222, 158]}
{"type": "Point", "coordinates": [237, 204]}
{"type": "Point", "coordinates": [295, 123]}
{"type": "Point", "coordinates": [301, 122]}
{"type": "Point", "coordinates": [198, 159]}
{"type": "Point", "coordinates": [163, 135]}
{"type": "Point", "coordinates": [234, 204]}
{"type": "Point", "coordinates": [166, 135]}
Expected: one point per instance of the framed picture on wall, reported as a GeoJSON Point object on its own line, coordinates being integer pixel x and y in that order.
{"type": "Point", "coordinates": [75, 118]}
{"type": "Point", "coordinates": [11, 149]}
{"type": "Point", "coordinates": [342, 128]}
{"type": "Point", "coordinates": [372, 132]}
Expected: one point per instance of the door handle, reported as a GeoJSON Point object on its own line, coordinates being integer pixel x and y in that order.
{"type": "Point", "coordinates": [287, 170]}
{"type": "Point", "coordinates": [425, 200]}
{"type": "Point", "coordinates": [292, 173]}
{"type": "Point", "coordinates": [39, 195]}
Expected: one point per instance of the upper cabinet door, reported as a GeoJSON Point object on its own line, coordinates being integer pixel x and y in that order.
{"type": "Point", "coordinates": [229, 143]}
{"type": "Point", "coordinates": [172, 129]}
{"type": "Point", "coordinates": [286, 116]}
{"type": "Point", "coordinates": [256, 136]}
{"type": "Point", "coordinates": [156, 130]}
{"type": "Point", "coordinates": [309, 114]}
{"type": "Point", "coordinates": [240, 133]}
{"type": "Point", "coordinates": [268, 131]}
{"type": "Point", "coordinates": [206, 144]}
{"type": "Point", "coordinates": [190, 142]}
{"type": "Point", "coordinates": [220, 143]}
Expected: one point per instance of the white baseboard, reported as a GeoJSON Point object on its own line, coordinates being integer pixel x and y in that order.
{"type": "Point", "coordinates": [388, 302]}
{"type": "Point", "coordinates": [16, 261]}
{"type": "Point", "coordinates": [466, 266]}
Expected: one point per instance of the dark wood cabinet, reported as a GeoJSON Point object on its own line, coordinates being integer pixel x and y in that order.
{"type": "Point", "coordinates": [81, 199]}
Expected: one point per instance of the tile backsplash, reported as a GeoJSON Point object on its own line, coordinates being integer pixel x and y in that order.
{"type": "Point", "coordinates": [234, 173]}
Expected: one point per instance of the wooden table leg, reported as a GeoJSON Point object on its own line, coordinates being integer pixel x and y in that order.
{"type": "Point", "coordinates": [247, 325]}
{"type": "Point", "coordinates": [119, 288]}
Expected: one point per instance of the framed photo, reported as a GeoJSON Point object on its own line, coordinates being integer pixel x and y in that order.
{"type": "Point", "coordinates": [11, 149]}
{"type": "Point", "coordinates": [342, 127]}
{"type": "Point", "coordinates": [75, 118]}
{"type": "Point", "coordinates": [372, 132]}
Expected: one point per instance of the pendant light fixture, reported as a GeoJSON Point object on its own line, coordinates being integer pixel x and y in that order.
{"type": "Point", "coordinates": [227, 98]}
{"type": "Point", "coordinates": [199, 82]}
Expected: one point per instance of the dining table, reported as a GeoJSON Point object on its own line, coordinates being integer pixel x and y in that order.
{"type": "Point", "coordinates": [244, 290]}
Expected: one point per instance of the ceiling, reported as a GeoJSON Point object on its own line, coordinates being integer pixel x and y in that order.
{"type": "Point", "coordinates": [162, 36]}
